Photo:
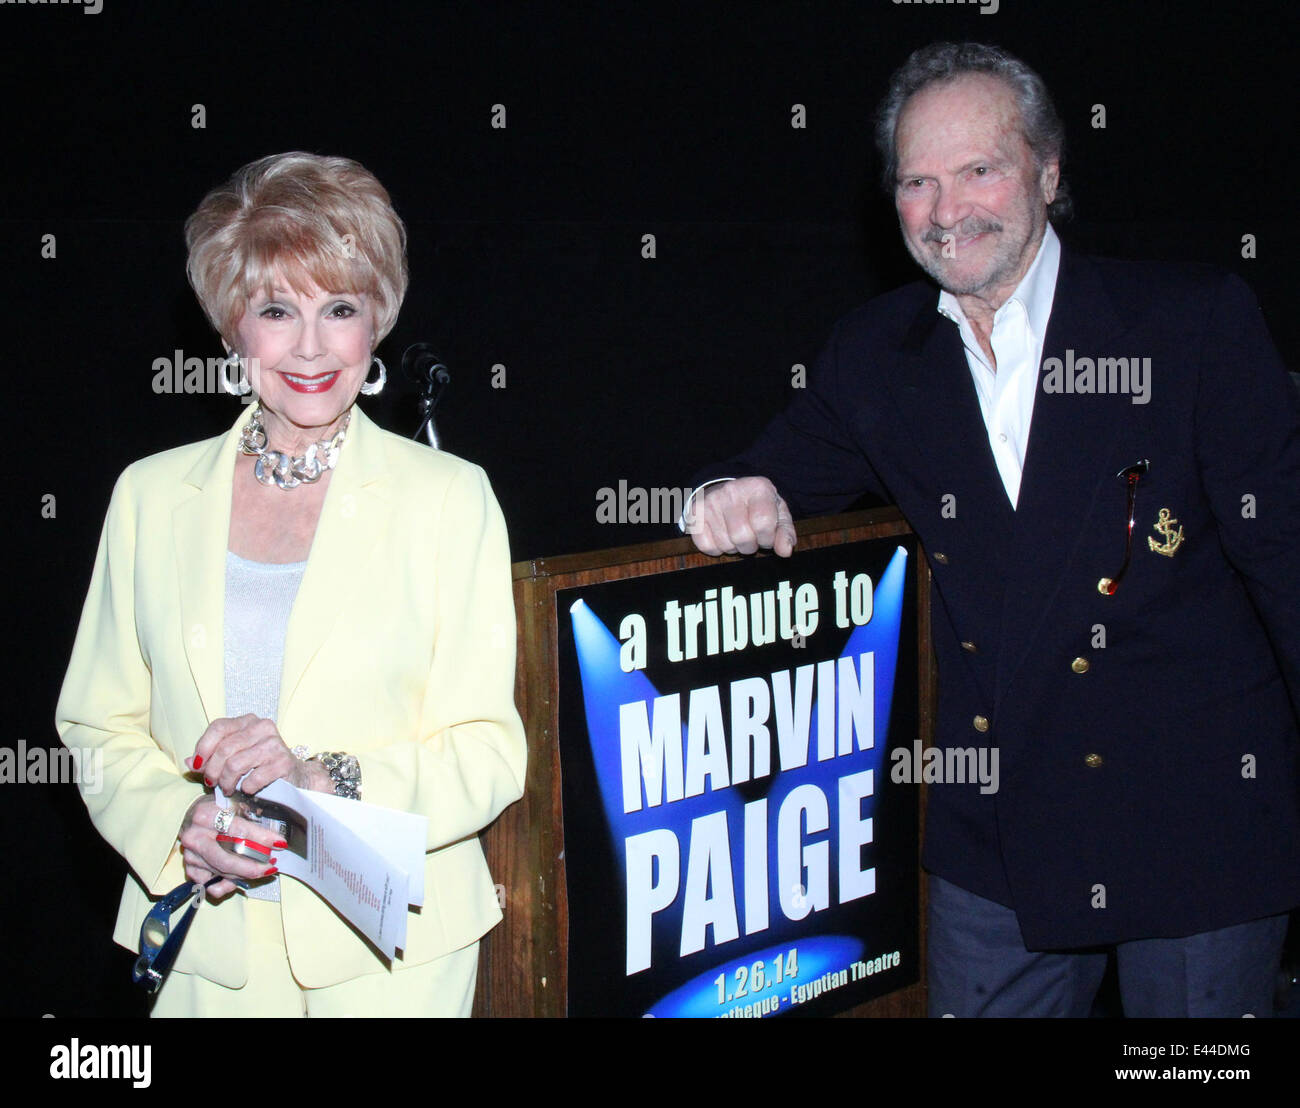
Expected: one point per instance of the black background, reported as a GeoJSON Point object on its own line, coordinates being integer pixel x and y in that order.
{"type": "Point", "coordinates": [623, 119]}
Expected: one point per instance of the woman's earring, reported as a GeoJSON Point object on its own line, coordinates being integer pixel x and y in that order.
{"type": "Point", "coordinates": [372, 388]}
{"type": "Point", "coordinates": [240, 385]}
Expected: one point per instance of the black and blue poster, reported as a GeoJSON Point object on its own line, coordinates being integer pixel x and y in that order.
{"type": "Point", "coordinates": [734, 844]}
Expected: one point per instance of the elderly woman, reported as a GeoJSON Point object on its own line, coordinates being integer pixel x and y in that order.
{"type": "Point", "coordinates": [305, 583]}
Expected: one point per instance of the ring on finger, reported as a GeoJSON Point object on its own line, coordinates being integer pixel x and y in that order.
{"type": "Point", "coordinates": [225, 816]}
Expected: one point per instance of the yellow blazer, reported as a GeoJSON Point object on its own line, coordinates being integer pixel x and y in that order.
{"type": "Point", "coordinates": [400, 649]}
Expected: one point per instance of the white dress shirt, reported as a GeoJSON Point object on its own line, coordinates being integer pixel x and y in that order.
{"type": "Point", "coordinates": [1006, 395]}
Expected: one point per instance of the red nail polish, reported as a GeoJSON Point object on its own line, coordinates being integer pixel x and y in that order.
{"type": "Point", "coordinates": [207, 782]}
{"type": "Point", "coordinates": [198, 762]}
{"type": "Point", "coordinates": [280, 844]}
{"type": "Point", "coordinates": [270, 870]}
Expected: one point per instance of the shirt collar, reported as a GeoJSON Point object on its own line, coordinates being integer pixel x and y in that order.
{"type": "Point", "coordinates": [1035, 291]}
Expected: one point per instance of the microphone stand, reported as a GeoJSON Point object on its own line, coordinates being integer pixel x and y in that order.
{"type": "Point", "coordinates": [423, 367]}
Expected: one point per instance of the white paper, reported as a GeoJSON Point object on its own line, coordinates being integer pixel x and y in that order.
{"type": "Point", "coordinates": [399, 836]}
{"type": "Point", "coordinates": [366, 861]}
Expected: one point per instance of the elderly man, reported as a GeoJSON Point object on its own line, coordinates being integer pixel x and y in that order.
{"type": "Point", "coordinates": [1102, 460]}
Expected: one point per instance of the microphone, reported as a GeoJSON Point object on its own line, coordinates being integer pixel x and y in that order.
{"type": "Point", "coordinates": [422, 366]}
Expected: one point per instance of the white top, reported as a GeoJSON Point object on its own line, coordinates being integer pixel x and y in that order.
{"type": "Point", "coordinates": [259, 598]}
{"type": "Point", "coordinates": [1006, 395]}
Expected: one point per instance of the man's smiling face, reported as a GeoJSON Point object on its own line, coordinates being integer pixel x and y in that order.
{"type": "Point", "coordinates": [972, 203]}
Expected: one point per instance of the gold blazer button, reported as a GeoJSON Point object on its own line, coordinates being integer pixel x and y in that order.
{"type": "Point", "coordinates": [1092, 761]}
{"type": "Point", "coordinates": [970, 647]}
{"type": "Point", "coordinates": [1080, 665]}
{"type": "Point", "coordinates": [942, 559]}
{"type": "Point", "coordinates": [981, 723]}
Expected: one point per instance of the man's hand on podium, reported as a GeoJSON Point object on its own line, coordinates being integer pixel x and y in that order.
{"type": "Point", "coordinates": [738, 517]}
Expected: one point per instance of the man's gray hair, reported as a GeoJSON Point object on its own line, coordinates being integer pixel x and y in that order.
{"type": "Point", "coordinates": [946, 61]}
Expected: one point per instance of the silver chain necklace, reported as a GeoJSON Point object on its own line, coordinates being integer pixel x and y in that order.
{"type": "Point", "coordinates": [275, 467]}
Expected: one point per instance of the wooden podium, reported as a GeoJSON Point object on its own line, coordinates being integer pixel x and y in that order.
{"type": "Point", "coordinates": [524, 966]}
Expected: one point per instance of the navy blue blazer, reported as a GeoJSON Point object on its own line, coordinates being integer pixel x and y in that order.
{"type": "Point", "coordinates": [1155, 793]}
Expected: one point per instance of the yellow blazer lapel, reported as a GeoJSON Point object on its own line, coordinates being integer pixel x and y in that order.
{"type": "Point", "coordinates": [353, 519]}
{"type": "Point", "coordinates": [201, 535]}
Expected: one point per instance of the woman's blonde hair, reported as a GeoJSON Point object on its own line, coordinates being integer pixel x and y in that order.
{"type": "Point", "coordinates": [319, 221]}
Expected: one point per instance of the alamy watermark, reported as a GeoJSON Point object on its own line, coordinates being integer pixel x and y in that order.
{"type": "Point", "coordinates": [179, 374]}
{"type": "Point", "coordinates": [40, 765]}
{"type": "Point", "coordinates": [633, 504]}
{"type": "Point", "coordinates": [1099, 376]}
{"type": "Point", "coordinates": [88, 7]}
{"type": "Point", "coordinates": [952, 765]}
{"type": "Point", "coordinates": [986, 7]}
{"type": "Point", "coordinates": [99, 1061]}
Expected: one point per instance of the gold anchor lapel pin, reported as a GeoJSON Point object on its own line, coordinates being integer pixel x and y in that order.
{"type": "Point", "coordinates": [1170, 530]}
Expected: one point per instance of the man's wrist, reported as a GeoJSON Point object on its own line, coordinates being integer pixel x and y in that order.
{"type": "Point", "coordinates": [684, 519]}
